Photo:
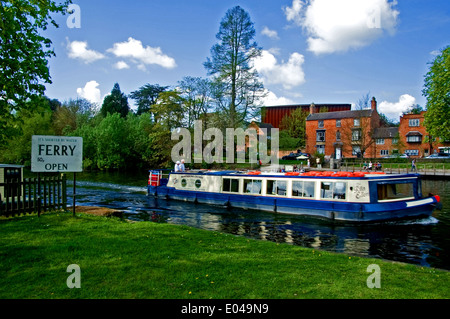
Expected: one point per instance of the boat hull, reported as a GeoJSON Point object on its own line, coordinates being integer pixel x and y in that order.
{"type": "Point", "coordinates": [341, 211]}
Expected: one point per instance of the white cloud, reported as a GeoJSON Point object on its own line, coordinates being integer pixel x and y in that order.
{"type": "Point", "coordinates": [337, 26]}
{"type": "Point", "coordinates": [79, 50]}
{"type": "Point", "coordinates": [289, 74]}
{"type": "Point", "coordinates": [393, 110]}
{"type": "Point", "coordinates": [121, 65]}
{"type": "Point", "coordinates": [270, 33]}
{"type": "Point", "coordinates": [90, 92]}
{"type": "Point", "coordinates": [137, 53]}
{"type": "Point", "coordinates": [272, 99]}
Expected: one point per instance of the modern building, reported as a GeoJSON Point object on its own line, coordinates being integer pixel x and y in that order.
{"type": "Point", "coordinates": [274, 114]}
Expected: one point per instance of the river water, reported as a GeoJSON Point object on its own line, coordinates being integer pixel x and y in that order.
{"type": "Point", "coordinates": [424, 241]}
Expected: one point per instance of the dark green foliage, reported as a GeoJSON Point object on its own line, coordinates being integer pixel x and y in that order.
{"type": "Point", "coordinates": [116, 102]}
{"type": "Point", "coordinates": [146, 96]}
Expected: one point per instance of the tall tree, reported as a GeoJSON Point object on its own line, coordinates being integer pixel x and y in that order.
{"type": "Point", "coordinates": [437, 92]}
{"type": "Point", "coordinates": [230, 65]}
{"type": "Point", "coordinates": [146, 97]}
{"type": "Point", "coordinates": [24, 53]}
{"type": "Point", "coordinates": [116, 102]}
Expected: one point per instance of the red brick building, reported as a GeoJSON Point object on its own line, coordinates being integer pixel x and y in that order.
{"type": "Point", "coordinates": [415, 140]}
{"type": "Point", "coordinates": [345, 133]}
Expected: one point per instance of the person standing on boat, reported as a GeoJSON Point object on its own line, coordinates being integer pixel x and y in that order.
{"type": "Point", "coordinates": [182, 168]}
{"type": "Point", "coordinates": [177, 166]}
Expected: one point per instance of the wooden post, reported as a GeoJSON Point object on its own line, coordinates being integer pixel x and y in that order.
{"type": "Point", "coordinates": [39, 195]}
{"type": "Point", "coordinates": [74, 192]}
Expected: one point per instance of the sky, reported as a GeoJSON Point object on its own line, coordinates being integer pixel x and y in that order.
{"type": "Point", "coordinates": [320, 51]}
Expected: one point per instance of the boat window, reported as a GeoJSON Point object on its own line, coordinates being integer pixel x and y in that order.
{"type": "Point", "coordinates": [183, 182]}
{"type": "Point", "coordinates": [395, 191]}
{"type": "Point", "coordinates": [230, 185]}
{"type": "Point", "coordinates": [275, 187]}
{"type": "Point", "coordinates": [303, 189]}
{"type": "Point", "coordinates": [333, 190]}
{"type": "Point", "coordinates": [198, 183]}
{"type": "Point", "coordinates": [252, 186]}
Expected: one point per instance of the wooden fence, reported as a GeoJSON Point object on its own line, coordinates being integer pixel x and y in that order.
{"type": "Point", "coordinates": [33, 195]}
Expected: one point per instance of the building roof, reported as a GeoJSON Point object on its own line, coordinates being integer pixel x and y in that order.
{"type": "Point", "coordinates": [308, 105]}
{"type": "Point", "coordinates": [385, 132]}
{"type": "Point", "coordinates": [339, 115]}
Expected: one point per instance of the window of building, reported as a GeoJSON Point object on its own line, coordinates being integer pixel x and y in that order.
{"type": "Point", "coordinates": [275, 187]}
{"type": "Point", "coordinates": [230, 185]}
{"type": "Point", "coordinates": [356, 135]}
{"type": "Point", "coordinates": [320, 136]}
{"type": "Point", "coordinates": [338, 123]}
{"type": "Point", "coordinates": [338, 136]}
{"type": "Point", "coordinates": [379, 141]}
{"type": "Point", "coordinates": [321, 149]}
{"type": "Point", "coordinates": [321, 123]}
{"type": "Point", "coordinates": [414, 122]}
{"type": "Point", "coordinates": [395, 141]}
{"type": "Point", "coordinates": [355, 122]}
{"type": "Point", "coordinates": [303, 189]}
{"type": "Point", "coordinates": [333, 190]}
{"type": "Point", "coordinates": [356, 150]}
{"type": "Point", "coordinates": [414, 139]}
{"type": "Point", "coordinates": [252, 186]}
{"type": "Point", "coordinates": [384, 152]}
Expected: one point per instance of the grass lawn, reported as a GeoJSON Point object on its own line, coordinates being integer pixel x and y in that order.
{"type": "Point", "coordinates": [119, 259]}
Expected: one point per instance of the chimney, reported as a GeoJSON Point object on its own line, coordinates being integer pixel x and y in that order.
{"type": "Point", "coordinates": [373, 104]}
{"type": "Point", "coordinates": [312, 108]}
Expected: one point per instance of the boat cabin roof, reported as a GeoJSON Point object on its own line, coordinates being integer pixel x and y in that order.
{"type": "Point", "coordinates": [257, 174]}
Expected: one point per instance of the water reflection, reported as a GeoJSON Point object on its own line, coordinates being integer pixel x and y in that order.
{"type": "Point", "coordinates": [418, 241]}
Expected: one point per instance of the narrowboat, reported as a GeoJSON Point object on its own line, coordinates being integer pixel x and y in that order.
{"type": "Point", "coordinates": [343, 196]}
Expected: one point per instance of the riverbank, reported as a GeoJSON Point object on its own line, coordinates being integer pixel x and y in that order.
{"type": "Point", "coordinates": [119, 259]}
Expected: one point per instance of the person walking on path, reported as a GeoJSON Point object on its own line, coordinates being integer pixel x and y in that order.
{"type": "Point", "coordinates": [413, 166]}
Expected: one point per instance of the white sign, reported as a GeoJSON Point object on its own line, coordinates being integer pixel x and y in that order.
{"type": "Point", "coordinates": [56, 154]}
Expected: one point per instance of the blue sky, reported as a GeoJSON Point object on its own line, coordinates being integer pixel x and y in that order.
{"type": "Point", "coordinates": [321, 51]}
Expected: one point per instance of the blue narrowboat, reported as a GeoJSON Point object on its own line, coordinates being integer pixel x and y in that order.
{"type": "Point", "coordinates": [343, 196]}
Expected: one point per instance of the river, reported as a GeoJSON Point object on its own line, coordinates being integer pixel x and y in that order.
{"type": "Point", "coordinates": [424, 241]}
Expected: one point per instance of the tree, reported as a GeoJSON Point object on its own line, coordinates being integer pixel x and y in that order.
{"type": "Point", "coordinates": [146, 97]}
{"type": "Point", "coordinates": [197, 94]}
{"type": "Point", "coordinates": [66, 117]}
{"type": "Point", "coordinates": [238, 86]}
{"type": "Point", "coordinates": [295, 125]}
{"type": "Point", "coordinates": [168, 110]}
{"type": "Point", "coordinates": [437, 92]}
{"type": "Point", "coordinates": [116, 102]}
{"type": "Point", "coordinates": [24, 54]}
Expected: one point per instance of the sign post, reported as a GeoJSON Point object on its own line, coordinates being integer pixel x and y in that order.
{"type": "Point", "coordinates": [57, 154]}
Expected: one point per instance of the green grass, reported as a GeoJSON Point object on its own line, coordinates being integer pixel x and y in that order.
{"type": "Point", "coordinates": [119, 259]}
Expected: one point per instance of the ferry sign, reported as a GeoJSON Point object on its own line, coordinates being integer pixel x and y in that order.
{"type": "Point", "coordinates": [50, 154]}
